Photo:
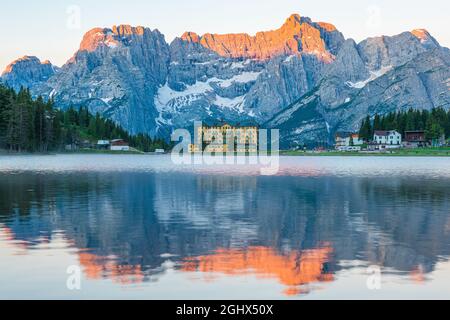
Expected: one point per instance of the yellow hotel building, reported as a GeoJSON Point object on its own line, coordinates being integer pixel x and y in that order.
{"type": "Point", "coordinates": [215, 138]}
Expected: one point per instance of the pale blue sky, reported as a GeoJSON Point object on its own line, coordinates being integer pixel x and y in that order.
{"type": "Point", "coordinates": [41, 28]}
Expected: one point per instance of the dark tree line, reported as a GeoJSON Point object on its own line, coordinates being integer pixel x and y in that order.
{"type": "Point", "coordinates": [435, 123]}
{"type": "Point", "coordinates": [35, 125]}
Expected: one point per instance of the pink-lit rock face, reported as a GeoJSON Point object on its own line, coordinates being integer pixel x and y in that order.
{"type": "Point", "coordinates": [421, 34]}
{"type": "Point", "coordinates": [92, 39]}
{"type": "Point", "coordinates": [327, 26]}
{"type": "Point", "coordinates": [295, 36]}
{"type": "Point", "coordinates": [425, 38]}
{"type": "Point", "coordinates": [98, 37]}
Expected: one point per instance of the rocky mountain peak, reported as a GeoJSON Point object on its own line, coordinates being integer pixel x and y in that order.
{"type": "Point", "coordinates": [297, 35]}
{"type": "Point", "coordinates": [425, 38]}
{"type": "Point", "coordinates": [293, 21]}
{"type": "Point", "coordinates": [190, 37]}
{"type": "Point", "coordinates": [127, 30]}
{"type": "Point", "coordinates": [26, 71]}
{"type": "Point", "coordinates": [93, 39]}
{"type": "Point", "coordinates": [25, 60]}
{"type": "Point", "coordinates": [421, 34]}
{"type": "Point", "coordinates": [106, 37]}
{"type": "Point", "coordinates": [294, 24]}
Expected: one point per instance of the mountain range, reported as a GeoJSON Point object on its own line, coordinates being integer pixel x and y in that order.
{"type": "Point", "coordinates": [304, 78]}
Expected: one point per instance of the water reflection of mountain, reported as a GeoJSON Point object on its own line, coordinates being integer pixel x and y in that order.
{"type": "Point", "coordinates": [295, 270]}
{"type": "Point", "coordinates": [128, 223]}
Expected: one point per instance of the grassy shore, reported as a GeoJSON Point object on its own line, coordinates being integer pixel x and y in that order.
{"type": "Point", "coordinates": [94, 151]}
{"type": "Point", "coordinates": [422, 152]}
{"type": "Point", "coordinates": [82, 151]}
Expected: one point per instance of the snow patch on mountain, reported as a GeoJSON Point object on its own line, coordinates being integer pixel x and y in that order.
{"type": "Point", "coordinates": [289, 58]}
{"type": "Point", "coordinates": [240, 64]}
{"type": "Point", "coordinates": [166, 95]}
{"type": "Point", "coordinates": [304, 128]}
{"type": "Point", "coordinates": [373, 76]}
{"type": "Point", "coordinates": [107, 100]}
{"type": "Point", "coordinates": [244, 77]}
{"type": "Point", "coordinates": [234, 103]}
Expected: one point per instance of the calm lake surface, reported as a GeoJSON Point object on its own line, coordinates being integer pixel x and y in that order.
{"type": "Point", "coordinates": [140, 227]}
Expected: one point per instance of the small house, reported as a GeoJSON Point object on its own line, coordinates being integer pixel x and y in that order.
{"type": "Point", "coordinates": [103, 144]}
{"type": "Point", "coordinates": [415, 139]}
{"type": "Point", "coordinates": [344, 140]}
{"type": "Point", "coordinates": [119, 145]}
{"type": "Point", "coordinates": [390, 138]}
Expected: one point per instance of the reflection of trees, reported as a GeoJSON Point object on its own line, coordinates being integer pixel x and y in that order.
{"type": "Point", "coordinates": [138, 217]}
{"type": "Point", "coordinates": [414, 214]}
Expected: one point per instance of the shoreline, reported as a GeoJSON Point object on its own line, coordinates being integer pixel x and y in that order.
{"type": "Point", "coordinates": [105, 152]}
{"type": "Point", "coordinates": [368, 155]}
{"type": "Point", "coordinates": [282, 154]}
{"type": "Point", "coordinates": [429, 152]}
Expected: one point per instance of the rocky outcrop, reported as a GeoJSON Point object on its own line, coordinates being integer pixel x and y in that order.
{"type": "Point", "coordinates": [27, 72]}
{"type": "Point", "coordinates": [425, 38]}
{"type": "Point", "coordinates": [297, 35]}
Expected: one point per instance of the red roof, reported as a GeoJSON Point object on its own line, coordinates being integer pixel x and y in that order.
{"type": "Point", "coordinates": [119, 142]}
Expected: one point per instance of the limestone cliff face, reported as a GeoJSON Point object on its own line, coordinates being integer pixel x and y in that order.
{"type": "Point", "coordinates": [27, 71]}
{"type": "Point", "coordinates": [303, 78]}
{"type": "Point", "coordinates": [298, 34]}
{"type": "Point", "coordinates": [116, 72]}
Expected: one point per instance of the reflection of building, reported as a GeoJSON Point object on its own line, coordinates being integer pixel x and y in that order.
{"type": "Point", "coordinates": [225, 138]}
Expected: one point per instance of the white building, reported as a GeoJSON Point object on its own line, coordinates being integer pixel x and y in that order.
{"type": "Point", "coordinates": [387, 138]}
{"type": "Point", "coordinates": [348, 142]}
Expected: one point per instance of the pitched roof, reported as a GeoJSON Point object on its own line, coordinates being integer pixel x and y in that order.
{"type": "Point", "coordinates": [384, 133]}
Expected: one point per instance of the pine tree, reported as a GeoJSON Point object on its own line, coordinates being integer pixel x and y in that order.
{"type": "Point", "coordinates": [366, 132]}
{"type": "Point", "coordinates": [435, 123]}
{"type": "Point", "coordinates": [34, 125]}
{"type": "Point", "coordinates": [377, 123]}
